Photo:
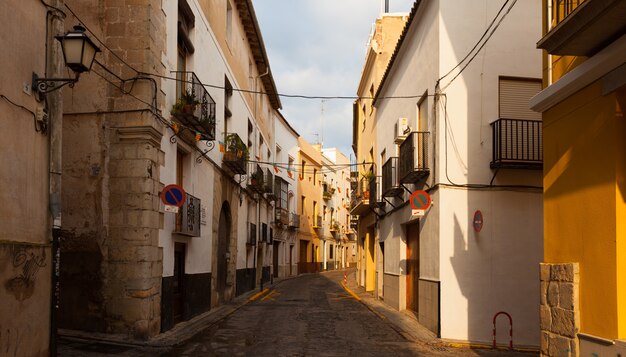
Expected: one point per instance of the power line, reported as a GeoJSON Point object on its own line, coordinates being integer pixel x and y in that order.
{"type": "Point", "coordinates": [477, 42]}
{"type": "Point", "coordinates": [483, 44]}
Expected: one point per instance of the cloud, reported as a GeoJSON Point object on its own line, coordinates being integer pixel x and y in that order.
{"type": "Point", "coordinates": [317, 47]}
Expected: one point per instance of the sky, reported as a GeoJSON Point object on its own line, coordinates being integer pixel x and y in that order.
{"type": "Point", "coordinates": [317, 47]}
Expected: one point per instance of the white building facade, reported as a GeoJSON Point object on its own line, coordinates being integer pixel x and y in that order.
{"type": "Point", "coordinates": [473, 145]}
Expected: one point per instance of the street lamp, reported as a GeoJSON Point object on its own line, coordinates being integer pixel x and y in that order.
{"type": "Point", "coordinates": [79, 53]}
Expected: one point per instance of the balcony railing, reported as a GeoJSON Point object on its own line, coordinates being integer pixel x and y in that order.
{"type": "Point", "coordinates": [376, 199]}
{"type": "Point", "coordinates": [188, 217]}
{"type": "Point", "coordinates": [256, 180]}
{"type": "Point", "coordinates": [294, 221]}
{"type": "Point", "coordinates": [583, 27]}
{"type": "Point", "coordinates": [413, 159]}
{"type": "Point", "coordinates": [268, 184]}
{"type": "Point", "coordinates": [235, 154]}
{"type": "Point", "coordinates": [562, 8]}
{"type": "Point", "coordinates": [360, 197]}
{"type": "Point", "coordinates": [391, 184]}
{"type": "Point", "coordinates": [195, 108]}
{"type": "Point", "coordinates": [282, 216]}
{"type": "Point", "coordinates": [517, 144]}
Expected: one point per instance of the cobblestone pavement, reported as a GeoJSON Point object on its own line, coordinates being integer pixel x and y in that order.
{"type": "Point", "coordinates": [311, 315]}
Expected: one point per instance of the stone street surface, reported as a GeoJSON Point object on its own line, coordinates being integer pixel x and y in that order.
{"type": "Point", "coordinates": [311, 315]}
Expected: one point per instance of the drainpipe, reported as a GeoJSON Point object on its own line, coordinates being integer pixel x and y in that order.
{"type": "Point", "coordinates": [54, 68]}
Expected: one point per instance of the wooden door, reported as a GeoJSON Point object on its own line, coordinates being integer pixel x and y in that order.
{"type": "Point", "coordinates": [412, 267]}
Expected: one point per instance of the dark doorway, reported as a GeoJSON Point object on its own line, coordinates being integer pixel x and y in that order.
{"type": "Point", "coordinates": [302, 262]}
{"type": "Point", "coordinates": [223, 254]}
{"type": "Point", "coordinates": [178, 283]}
{"type": "Point", "coordinates": [412, 268]}
{"type": "Point", "coordinates": [275, 258]}
{"type": "Point", "coordinates": [290, 260]}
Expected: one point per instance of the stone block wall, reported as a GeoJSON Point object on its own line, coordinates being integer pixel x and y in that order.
{"type": "Point", "coordinates": [560, 314]}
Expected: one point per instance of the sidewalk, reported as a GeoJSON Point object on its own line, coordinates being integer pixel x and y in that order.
{"type": "Point", "coordinates": [408, 326]}
{"type": "Point", "coordinates": [73, 342]}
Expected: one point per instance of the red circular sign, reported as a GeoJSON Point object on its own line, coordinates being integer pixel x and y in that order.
{"type": "Point", "coordinates": [173, 195]}
{"type": "Point", "coordinates": [420, 200]}
{"type": "Point", "coordinates": [477, 222]}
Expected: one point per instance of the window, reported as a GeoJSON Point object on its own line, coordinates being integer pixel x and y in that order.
{"type": "Point", "coordinates": [515, 93]}
{"type": "Point", "coordinates": [314, 209]}
{"type": "Point", "coordinates": [302, 202]}
{"type": "Point", "coordinates": [324, 213]}
{"type": "Point", "coordinates": [302, 168]}
{"type": "Point", "coordinates": [330, 251]}
{"type": "Point", "coordinates": [314, 176]}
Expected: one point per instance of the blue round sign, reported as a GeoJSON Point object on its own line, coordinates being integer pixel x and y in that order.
{"type": "Point", "coordinates": [173, 195]}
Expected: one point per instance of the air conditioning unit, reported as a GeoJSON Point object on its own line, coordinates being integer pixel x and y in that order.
{"type": "Point", "coordinates": [401, 129]}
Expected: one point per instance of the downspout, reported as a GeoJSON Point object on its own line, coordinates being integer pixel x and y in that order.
{"type": "Point", "coordinates": [54, 69]}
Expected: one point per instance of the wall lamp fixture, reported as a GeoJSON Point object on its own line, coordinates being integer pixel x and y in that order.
{"type": "Point", "coordinates": [79, 53]}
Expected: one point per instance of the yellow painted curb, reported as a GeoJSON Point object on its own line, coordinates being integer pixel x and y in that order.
{"type": "Point", "coordinates": [258, 295]}
{"type": "Point", "coordinates": [350, 292]}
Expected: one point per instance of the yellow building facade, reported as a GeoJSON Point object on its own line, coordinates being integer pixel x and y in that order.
{"type": "Point", "coordinates": [309, 171]}
{"type": "Point", "coordinates": [387, 30]}
{"type": "Point", "coordinates": [583, 302]}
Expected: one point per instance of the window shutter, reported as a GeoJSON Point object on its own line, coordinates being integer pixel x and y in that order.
{"type": "Point", "coordinates": [514, 97]}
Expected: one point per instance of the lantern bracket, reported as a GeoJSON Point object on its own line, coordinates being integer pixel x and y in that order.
{"type": "Point", "coordinates": [47, 85]}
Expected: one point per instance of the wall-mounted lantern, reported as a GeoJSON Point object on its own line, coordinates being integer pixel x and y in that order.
{"type": "Point", "coordinates": [79, 53]}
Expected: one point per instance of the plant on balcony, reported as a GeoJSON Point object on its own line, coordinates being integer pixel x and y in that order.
{"type": "Point", "coordinates": [235, 148]}
{"type": "Point", "coordinates": [256, 178]}
{"type": "Point", "coordinates": [185, 105]}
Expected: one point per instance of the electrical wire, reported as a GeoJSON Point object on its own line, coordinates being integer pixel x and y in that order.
{"type": "Point", "coordinates": [477, 42]}
{"type": "Point", "coordinates": [481, 46]}
{"type": "Point", "coordinates": [44, 125]}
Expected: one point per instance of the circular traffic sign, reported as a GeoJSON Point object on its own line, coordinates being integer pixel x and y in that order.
{"type": "Point", "coordinates": [173, 195]}
{"type": "Point", "coordinates": [477, 222]}
{"type": "Point", "coordinates": [420, 200]}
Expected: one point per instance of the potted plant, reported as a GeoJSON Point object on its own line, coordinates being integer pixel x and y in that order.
{"type": "Point", "coordinates": [235, 148]}
{"type": "Point", "coordinates": [186, 104]}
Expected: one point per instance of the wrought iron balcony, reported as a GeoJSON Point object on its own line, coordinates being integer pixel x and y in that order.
{"type": "Point", "coordinates": [517, 144]}
{"type": "Point", "coordinates": [294, 221]}
{"type": "Point", "coordinates": [583, 27]}
{"type": "Point", "coordinates": [268, 184]}
{"type": "Point", "coordinates": [413, 166]}
{"type": "Point", "coordinates": [360, 197]}
{"type": "Point", "coordinates": [256, 180]}
{"type": "Point", "coordinates": [376, 199]}
{"type": "Point", "coordinates": [188, 217]}
{"type": "Point", "coordinates": [391, 184]}
{"type": "Point", "coordinates": [195, 108]}
{"type": "Point", "coordinates": [334, 226]}
{"type": "Point", "coordinates": [235, 154]}
{"type": "Point", "coordinates": [282, 216]}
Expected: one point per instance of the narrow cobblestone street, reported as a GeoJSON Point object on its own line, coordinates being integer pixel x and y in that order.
{"type": "Point", "coordinates": [311, 315]}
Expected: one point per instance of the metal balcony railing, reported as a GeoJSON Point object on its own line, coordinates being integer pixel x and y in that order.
{"type": "Point", "coordinates": [517, 144]}
{"type": "Point", "coordinates": [562, 8]}
{"type": "Point", "coordinates": [294, 220]}
{"type": "Point", "coordinates": [391, 184]}
{"type": "Point", "coordinates": [195, 108]}
{"type": "Point", "coordinates": [235, 154]}
{"type": "Point", "coordinates": [375, 200]}
{"type": "Point", "coordinates": [361, 194]}
{"type": "Point", "coordinates": [188, 217]}
{"type": "Point", "coordinates": [268, 184]}
{"type": "Point", "coordinates": [256, 180]}
{"type": "Point", "coordinates": [282, 216]}
{"type": "Point", "coordinates": [413, 160]}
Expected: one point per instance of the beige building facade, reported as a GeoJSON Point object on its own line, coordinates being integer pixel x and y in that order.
{"type": "Point", "coordinates": [31, 202]}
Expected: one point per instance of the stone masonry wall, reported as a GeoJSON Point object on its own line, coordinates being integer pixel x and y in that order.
{"type": "Point", "coordinates": [560, 314]}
